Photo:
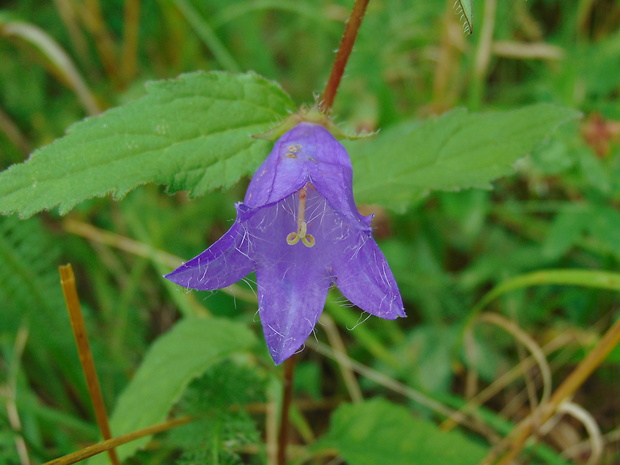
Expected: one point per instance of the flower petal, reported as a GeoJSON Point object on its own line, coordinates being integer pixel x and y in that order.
{"type": "Point", "coordinates": [307, 153]}
{"type": "Point", "coordinates": [291, 297]}
{"type": "Point", "coordinates": [282, 173]}
{"type": "Point", "coordinates": [292, 278]}
{"type": "Point", "coordinates": [330, 172]}
{"type": "Point", "coordinates": [364, 277]}
{"type": "Point", "coordinates": [224, 263]}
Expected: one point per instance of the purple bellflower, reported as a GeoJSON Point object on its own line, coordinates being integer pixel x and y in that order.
{"type": "Point", "coordinates": [298, 228]}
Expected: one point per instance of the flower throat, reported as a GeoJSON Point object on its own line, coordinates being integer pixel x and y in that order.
{"type": "Point", "coordinates": [302, 226]}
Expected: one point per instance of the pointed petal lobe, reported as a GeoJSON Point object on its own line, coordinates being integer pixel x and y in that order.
{"type": "Point", "coordinates": [282, 173]}
{"type": "Point", "coordinates": [292, 278]}
{"type": "Point", "coordinates": [364, 277]}
{"type": "Point", "coordinates": [224, 263]}
{"type": "Point", "coordinates": [288, 313]}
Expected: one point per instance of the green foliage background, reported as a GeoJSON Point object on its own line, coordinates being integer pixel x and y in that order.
{"type": "Point", "coordinates": [538, 78]}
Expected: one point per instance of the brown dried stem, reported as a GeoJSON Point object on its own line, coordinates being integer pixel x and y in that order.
{"type": "Point", "coordinates": [577, 377]}
{"type": "Point", "coordinates": [110, 444]}
{"type": "Point", "coordinates": [104, 42]}
{"type": "Point", "coordinates": [130, 39]}
{"type": "Point", "coordinates": [67, 281]}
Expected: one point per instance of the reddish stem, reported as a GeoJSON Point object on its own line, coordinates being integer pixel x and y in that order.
{"type": "Point", "coordinates": [340, 62]}
{"type": "Point", "coordinates": [327, 100]}
{"type": "Point", "coordinates": [287, 397]}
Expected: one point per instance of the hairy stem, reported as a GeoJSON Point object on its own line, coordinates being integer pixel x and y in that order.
{"type": "Point", "coordinates": [342, 56]}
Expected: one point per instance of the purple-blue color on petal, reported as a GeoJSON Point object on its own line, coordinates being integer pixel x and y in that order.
{"type": "Point", "coordinates": [300, 231]}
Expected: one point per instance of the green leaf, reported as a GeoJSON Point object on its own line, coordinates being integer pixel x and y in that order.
{"type": "Point", "coordinates": [566, 229]}
{"type": "Point", "coordinates": [604, 227]}
{"type": "Point", "coordinates": [567, 277]}
{"type": "Point", "coordinates": [31, 298]}
{"type": "Point", "coordinates": [377, 431]}
{"type": "Point", "coordinates": [430, 349]}
{"type": "Point", "coordinates": [455, 151]}
{"type": "Point", "coordinates": [465, 10]}
{"type": "Point", "coordinates": [176, 358]}
{"type": "Point", "coordinates": [190, 133]}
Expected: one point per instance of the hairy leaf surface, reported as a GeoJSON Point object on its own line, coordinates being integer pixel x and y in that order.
{"type": "Point", "coordinates": [176, 358]}
{"type": "Point", "coordinates": [191, 133]}
{"type": "Point", "coordinates": [455, 151]}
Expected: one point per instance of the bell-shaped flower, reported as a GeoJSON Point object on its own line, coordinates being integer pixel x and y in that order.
{"type": "Point", "coordinates": [300, 231]}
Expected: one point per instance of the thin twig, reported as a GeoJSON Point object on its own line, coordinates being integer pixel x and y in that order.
{"type": "Point", "coordinates": [450, 46]}
{"type": "Point", "coordinates": [386, 381]}
{"type": "Point", "coordinates": [208, 36]}
{"type": "Point", "coordinates": [341, 354]}
{"type": "Point", "coordinates": [483, 54]}
{"type": "Point", "coordinates": [117, 241]}
{"type": "Point", "coordinates": [14, 133]}
{"type": "Point", "coordinates": [287, 397]}
{"type": "Point", "coordinates": [58, 62]}
{"type": "Point", "coordinates": [141, 249]}
{"type": "Point", "coordinates": [9, 391]}
{"type": "Point", "coordinates": [596, 440]}
{"type": "Point", "coordinates": [505, 379]}
{"type": "Point", "coordinates": [67, 280]}
{"type": "Point", "coordinates": [130, 39]}
{"type": "Point", "coordinates": [585, 447]}
{"type": "Point", "coordinates": [528, 51]}
{"type": "Point", "coordinates": [528, 342]}
{"type": "Point", "coordinates": [118, 441]}
{"type": "Point", "coordinates": [68, 15]}
{"type": "Point", "coordinates": [104, 42]}
{"type": "Point", "coordinates": [342, 56]}
{"type": "Point", "coordinates": [271, 430]}
{"type": "Point", "coordinates": [577, 377]}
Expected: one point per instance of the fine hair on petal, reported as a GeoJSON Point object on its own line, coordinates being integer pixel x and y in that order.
{"type": "Point", "coordinates": [360, 321]}
{"type": "Point", "coordinates": [346, 303]}
{"type": "Point", "coordinates": [302, 347]}
{"type": "Point", "coordinates": [250, 283]}
{"type": "Point", "coordinates": [313, 330]}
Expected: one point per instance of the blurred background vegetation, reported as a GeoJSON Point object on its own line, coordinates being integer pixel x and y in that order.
{"type": "Point", "coordinates": [63, 60]}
